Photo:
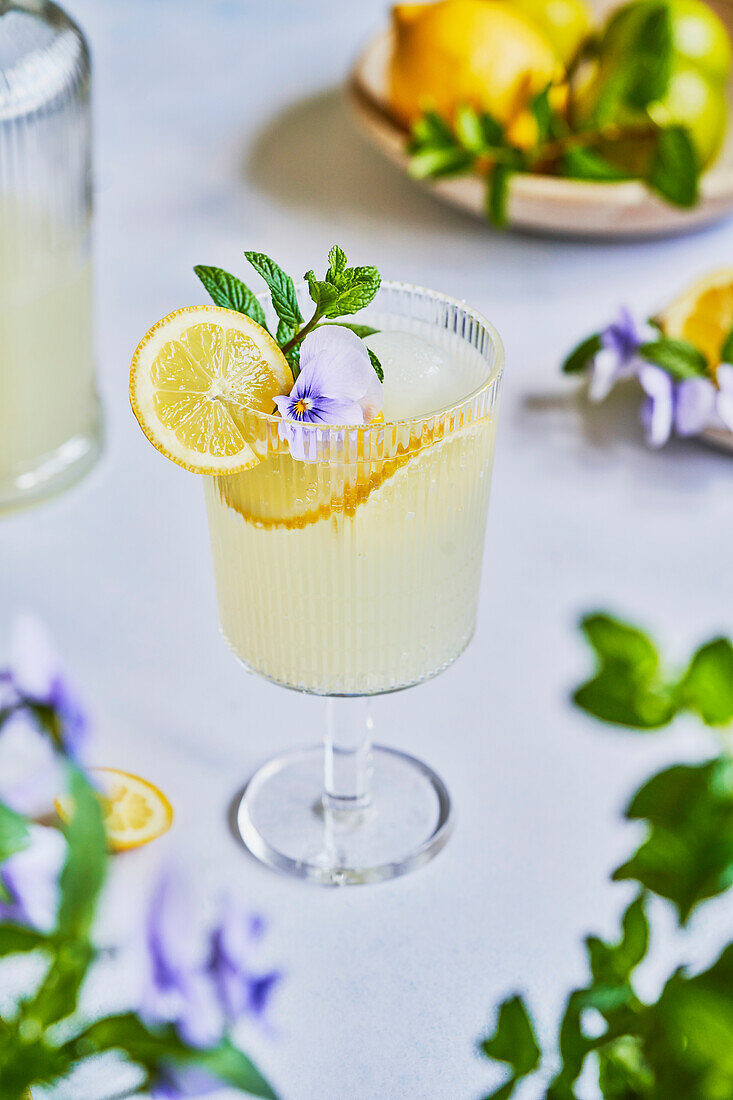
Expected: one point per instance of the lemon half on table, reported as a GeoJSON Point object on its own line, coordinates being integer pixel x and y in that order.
{"type": "Point", "coordinates": [192, 377]}
{"type": "Point", "coordinates": [134, 811]}
{"type": "Point", "coordinates": [702, 314]}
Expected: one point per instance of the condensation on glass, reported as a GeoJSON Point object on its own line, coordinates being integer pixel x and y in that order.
{"type": "Point", "coordinates": [49, 413]}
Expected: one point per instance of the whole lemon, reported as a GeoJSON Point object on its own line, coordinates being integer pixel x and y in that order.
{"type": "Point", "coordinates": [691, 100]}
{"type": "Point", "coordinates": [565, 23]}
{"type": "Point", "coordinates": [698, 35]}
{"type": "Point", "coordinates": [486, 55]}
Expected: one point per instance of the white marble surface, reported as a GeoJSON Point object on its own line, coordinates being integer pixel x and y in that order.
{"type": "Point", "coordinates": [220, 126]}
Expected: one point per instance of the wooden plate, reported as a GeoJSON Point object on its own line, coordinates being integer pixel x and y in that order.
{"type": "Point", "coordinates": [568, 208]}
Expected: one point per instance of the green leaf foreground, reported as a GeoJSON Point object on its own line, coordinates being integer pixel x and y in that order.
{"type": "Point", "coordinates": [680, 1045]}
{"type": "Point", "coordinates": [342, 292]}
{"type": "Point", "coordinates": [637, 73]}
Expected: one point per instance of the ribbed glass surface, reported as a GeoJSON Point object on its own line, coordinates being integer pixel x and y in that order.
{"type": "Point", "coordinates": [357, 571]}
{"type": "Point", "coordinates": [49, 419]}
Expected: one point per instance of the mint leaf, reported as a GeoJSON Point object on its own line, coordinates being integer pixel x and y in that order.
{"type": "Point", "coordinates": [587, 164]}
{"type": "Point", "coordinates": [613, 964]}
{"type": "Point", "coordinates": [360, 330]}
{"type": "Point", "coordinates": [230, 292]}
{"type": "Point", "coordinates": [439, 161]}
{"type": "Point", "coordinates": [498, 194]}
{"type": "Point", "coordinates": [493, 130]}
{"type": "Point", "coordinates": [688, 854]}
{"type": "Point", "coordinates": [153, 1050]}
{"type": "Point", "coordinates": [431, 130]}
{"type": "Point", "coordinates": [324, 294]}
{"type": "Point", "coordinates": [14, 835]}
{"type": "Point", "coordinates": [707, 686]}
{"type": "Point", "coordinates": [627, 690]}
{"type": "Point", "coordinates": [513, 1043]}
{"type": "Point", "coordinates": [726, 350]}
{"type": "Point", "coordinates": [650, 60]}
{"type": "Point", "coordinates": [376, 364]}
{"type": "Point", "coordinates": [84, 871]}
{"type": "Point", "coordinates": [356, 289]}
{"type": "Point", "coordinates": [282, 289]}
{"type": "Point", "coordinates": [581, 357]}
{"type": "Point", "coordinates": [543, 114]}
{"type": "Point", "coordinates": [336, 264]}
{"type": "Point", "coordinates": [675, 170]}
{"type": "Point", "coordinates": [469, 129]}
{"type": "Point", "coordinates": [618, 642]}
{"type": "Point", "coordinates": [16, 939]}
{"type": "Point", "coordinates": [678, 357]}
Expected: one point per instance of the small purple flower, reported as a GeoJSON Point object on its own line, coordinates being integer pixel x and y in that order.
{"type": "Point", "coordinates": [724, 396]}
{"type": "Point", "coordinates": [30, 878]}
{"type": "Point", "coordinates": [337, 384]}
{"type": "Point", "coordinates": [657, 411]}
{"type": "Point", "coordinates": [176, 1083]}
{"type": "Point", "coordinates": [694, 405]}
{"type": "Point", "coordinates": [617, 358]}
{"type": "Point", "coordinates": [199, 975]}
{"type": "Point", "coordinates": [38, 677]}
{"type": "Point", "coordinates": [31, 773]}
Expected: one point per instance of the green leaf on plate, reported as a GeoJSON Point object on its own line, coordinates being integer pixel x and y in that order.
{"type": "Point", "coordinates": [497, 198]}
{"type": "Point", "coordinates": [583, 355]}
{"type": "Point", "coordinates": [678, 357]}
{"type": "Point", "coordinates": [675, 170]}
{"type": "Point", "coordinates": [613, 964]}
{"type": "Point", "coordinates": [513, 1043]}
{"type": "Point", "coordinates": [587, 164]}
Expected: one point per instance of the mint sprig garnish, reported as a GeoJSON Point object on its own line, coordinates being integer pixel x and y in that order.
{"type": "Point", "coordinates": [342, 292]}
{"type": "Point", "coordinates": [677, 1043]}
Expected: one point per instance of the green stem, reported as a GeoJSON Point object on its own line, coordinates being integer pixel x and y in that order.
{"type": "Point", "coordinates": [302, 333]}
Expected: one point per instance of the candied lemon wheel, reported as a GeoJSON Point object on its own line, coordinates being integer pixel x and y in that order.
{"type": "Point", "coordinates": [703, 314]}
{"type": "Point", "coordinates": [194, 374]}
{"type": "Point", "coordinates": [134, 810]}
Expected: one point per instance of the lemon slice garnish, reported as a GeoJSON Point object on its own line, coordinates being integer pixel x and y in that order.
{"type": "Point", "coordinates": [193, 377]}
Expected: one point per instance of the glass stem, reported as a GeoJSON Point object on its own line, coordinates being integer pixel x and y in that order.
{"type": "Point", "coordinates": [348, 755]}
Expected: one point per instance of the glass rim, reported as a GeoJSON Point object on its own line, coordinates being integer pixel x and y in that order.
{"type": "Point", "coordinates": [492, 381]}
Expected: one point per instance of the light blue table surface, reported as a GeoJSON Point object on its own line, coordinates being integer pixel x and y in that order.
{"type": "Point", "coordinates": [220, 126]}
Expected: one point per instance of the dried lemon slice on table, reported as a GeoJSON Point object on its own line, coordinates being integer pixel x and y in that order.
{"type": "Point", "coordinates": [192, 377]}
{"type": "Point", "coordinates": [134, 810]}
{"type": "Point", "coordinates": [702, 314]}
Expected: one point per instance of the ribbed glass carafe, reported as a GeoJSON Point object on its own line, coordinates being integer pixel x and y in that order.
{"type": "Point", "coordinates": [49, 416]}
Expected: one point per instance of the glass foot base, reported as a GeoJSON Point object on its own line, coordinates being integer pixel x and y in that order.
{"type": "Point", "coordinates": [285, 823]}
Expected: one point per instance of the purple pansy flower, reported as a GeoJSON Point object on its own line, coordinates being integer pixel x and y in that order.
{"type": "Point", "coordinates": [38, 677]}
{"type": "Point", "coordinates": [337, 384]}
{"type": "Point", "coordinates": [617, 358]}
{"type": "Point", "coordinates": [199, 975]}
{"type": "Point", "coordinates": [30, 878]}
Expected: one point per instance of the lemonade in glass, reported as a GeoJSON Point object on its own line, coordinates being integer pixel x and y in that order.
{"type": "Point", "coordinates": [347, 560]}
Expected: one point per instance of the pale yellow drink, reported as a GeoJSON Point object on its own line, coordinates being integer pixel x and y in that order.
{"type": "Point", "coordinates": [358, 573]}
{"type": "Point", "coordinates": [49, 419]}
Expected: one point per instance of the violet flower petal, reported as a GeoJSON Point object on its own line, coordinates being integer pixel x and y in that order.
{"type": "Point", "coordinates": [694, 405]}
{"type": "Point", "coordinates": [179, 1082]}
{"type": "Point", "coordinates": [658, 410]}
{"type": "Point", "coordinates": [31, 878]}
{"type": "Point", "coordinates": [31, 772]}
{"type": "Point", "coordinates": [336, 363]}
{"type": "Point", "coordinates": [724, 397]}
{"type": "Point", "coordinates": [604, 374]}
